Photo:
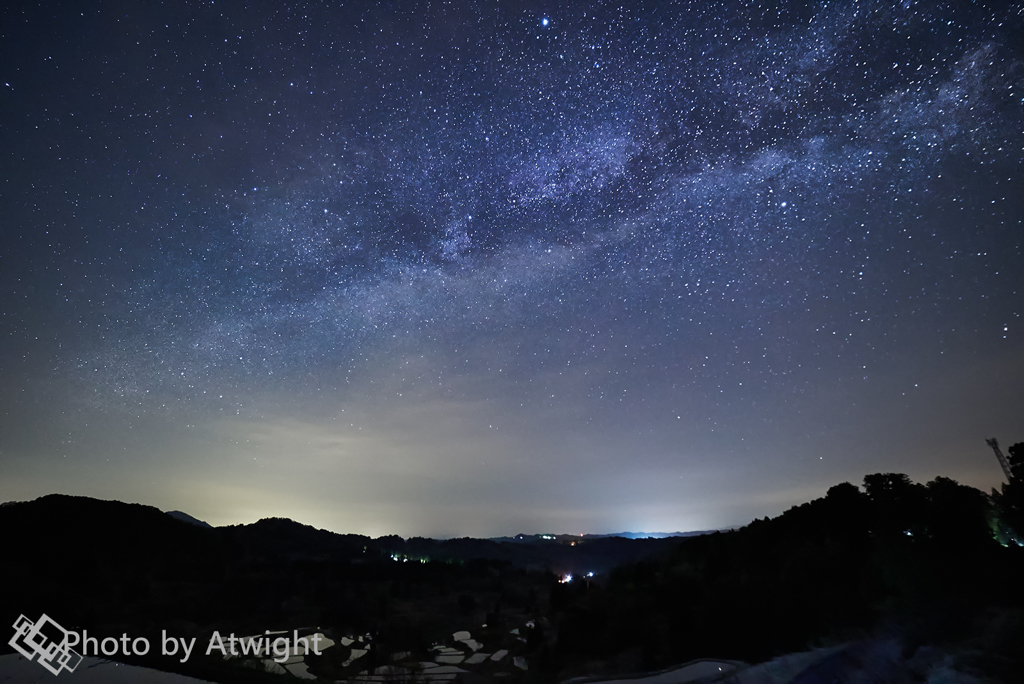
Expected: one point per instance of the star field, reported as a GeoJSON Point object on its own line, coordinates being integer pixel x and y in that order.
{"type": "Point", "coordinates": [491, 267]}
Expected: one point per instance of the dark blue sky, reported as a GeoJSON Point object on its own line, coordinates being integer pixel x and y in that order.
{"type": "Point", "coordinates": [480, 268]}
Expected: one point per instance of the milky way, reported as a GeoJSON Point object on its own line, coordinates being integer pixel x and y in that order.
{"type": "Point", "coordinates": [486, 268]}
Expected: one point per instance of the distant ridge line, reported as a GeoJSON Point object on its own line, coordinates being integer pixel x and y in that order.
{"type": "Point", "coordinates": [185, 517]}
{"type": "Point", "coordinates": [622, 535]}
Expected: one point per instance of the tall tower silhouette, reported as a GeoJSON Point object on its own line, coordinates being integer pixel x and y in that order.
{"type": "Point", "coordinates": [994, 443]}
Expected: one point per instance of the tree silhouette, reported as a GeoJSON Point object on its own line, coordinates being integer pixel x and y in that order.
{"type": "Point", "coordinates": [957, 514]}
{"type": "Point", "coordinates": [898, 504]}
{"type": "Point", "coordinates": [1010, 500]}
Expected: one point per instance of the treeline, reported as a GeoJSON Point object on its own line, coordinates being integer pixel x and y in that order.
{"type": "Point", "coordinates": [111, 568]}
{"type": "Point", "coordinates": [935, 563]}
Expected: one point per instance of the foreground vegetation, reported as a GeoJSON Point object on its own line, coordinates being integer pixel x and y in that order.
{"type": "Point", "coordinates": [935, 565]}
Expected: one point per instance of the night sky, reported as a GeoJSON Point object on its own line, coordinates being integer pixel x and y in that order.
{"type": "Point", "coordinates": [482, 268]}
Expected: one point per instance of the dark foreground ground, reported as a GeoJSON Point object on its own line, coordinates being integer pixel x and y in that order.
{"type": "Point", "coordinates": [909, 582]}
